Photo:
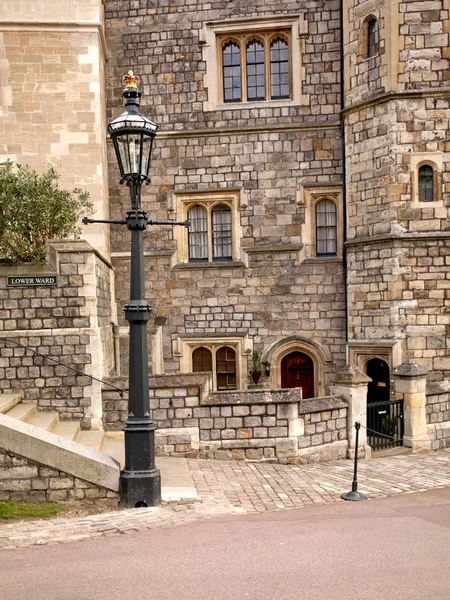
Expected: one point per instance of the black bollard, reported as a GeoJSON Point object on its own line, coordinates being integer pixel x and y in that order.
{"type": "Point", "coordinates": [354, 495]}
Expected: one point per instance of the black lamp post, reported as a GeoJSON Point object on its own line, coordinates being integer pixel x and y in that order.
{"type": "Point", "coordinates": [132, 135]}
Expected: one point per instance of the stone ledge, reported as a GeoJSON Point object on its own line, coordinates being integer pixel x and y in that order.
{"type": "Point", "coordinates": [313, 405]}
{"type": "Point", "coordinates": [48, 449]}
{"type": "Point", "coordinates": [252, 397]}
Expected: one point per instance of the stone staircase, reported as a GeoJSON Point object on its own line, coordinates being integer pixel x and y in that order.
{"type": "Point", "coordinates": [13, 405]}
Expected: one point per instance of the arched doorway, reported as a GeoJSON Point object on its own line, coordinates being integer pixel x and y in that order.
{"type": "Point", "coordinates": [378, 389]}
{"type": "Point", "coordinates": [297, 370]}
{"type": "Point", "coordinates": [384, 416]}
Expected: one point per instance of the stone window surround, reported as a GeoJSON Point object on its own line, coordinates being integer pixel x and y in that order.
{"type": "Point", "coordinates": [184, 346]}
{"type": "Point", "coordinates": [209, 36]}
{"type": "Point", "coordinates": [434, 160]}
{"type": "Point", "coordinates": [319, 354]}
{"type": "Point", "coordinates": [308, 195]}
{"type": "Point", "coordinates": [181, 202]}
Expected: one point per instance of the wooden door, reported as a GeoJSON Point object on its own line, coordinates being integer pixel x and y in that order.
{"type": "Point", "coordinates": [297, 370]}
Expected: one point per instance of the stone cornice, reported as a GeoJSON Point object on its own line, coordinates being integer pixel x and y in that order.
{"type": "Point", "coordinates": [393, 237]}
{"type": "Point", "coordinates": [184, 133]}
{"type": "Point", "coordinates": [393, 95]}
{"type": "Point", "coordinates": [59, 26]}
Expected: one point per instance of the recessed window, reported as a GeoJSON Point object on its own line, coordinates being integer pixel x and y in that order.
{"type": "Point", "coordinates": [201, 360]}
{"type": "Point", "coordinates": [279, 69]}
{"type": "Point", "coordinates": [210, 233]}
{"type": "Point", "coordinates": [231, 61]}
{"type": "Point", "coordinates": [256, 72]}
{"type": "Point", "coordinates": [326, 228]}
{"type": "Point", "coordinates": [221, 362]}
{"type": "Point", "coordinates": [373, 38]}
{"type": "Point", "coordinates": [221, 232]}
{"type": "Point", "coordinates": [256, 67]}
{"type": "Point", "coordinates": [426, 184]}
{"type": "Point", "coordinates": [198, 233]}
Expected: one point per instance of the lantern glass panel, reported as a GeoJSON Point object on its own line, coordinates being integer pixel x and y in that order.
{"type": "Point", "coordinates": [146, 152]}
{"type": "Point", "coordinates": [134, 146]}
{"type": "Point", "coordinates": [122, 151]}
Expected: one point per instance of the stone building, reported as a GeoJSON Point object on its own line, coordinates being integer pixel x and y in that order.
{"type": "Point", "coordinates": [307, 144]}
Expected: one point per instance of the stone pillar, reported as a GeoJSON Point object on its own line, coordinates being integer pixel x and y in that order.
{"type": "Point", "coordinates": [410, 380]}
{"type": "Point", "coordinates": [351, 383]}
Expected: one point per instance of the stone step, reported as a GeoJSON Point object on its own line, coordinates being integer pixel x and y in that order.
{"type": "Point", "coordinates": [67, 429]}
{"type": "Point", "coordinates": [45, 420]}
{"type": "Point", "coordinates": [8, 401]}
{"type": "Point", "coordinates": [22, 411]}
{"type": "Point", "coordinates": [91, 439]}
{"type": "Point", "coordinates": [115, 448]}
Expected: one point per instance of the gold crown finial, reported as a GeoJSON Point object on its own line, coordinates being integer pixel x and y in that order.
{"type": "Point", "coordinates": [131, 80]}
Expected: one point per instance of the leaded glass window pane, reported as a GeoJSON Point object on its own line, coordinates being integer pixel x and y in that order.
{"type": "Point", "coordinates": [256, 78]}
{"type": "Point", "coordinates": [231, 65]}
{"type": "Point", "coordinates": [326, 228]}
{"type": "Point", "coordinates": [198, 233]}
{"type": "Point", "coordinates": [373, 38]}
{"type": "Point", "coordinates": [226, 369]}
{"type": "Point", "coordinates": [426, 184]}
{"type": "Point", "coordinates": [221, 232]}
{"type": "Point", "coordinates": [201, 360]}
{"type": "Point", "coordinates": [279, 69]}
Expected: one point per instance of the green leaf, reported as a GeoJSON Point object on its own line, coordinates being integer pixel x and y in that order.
{"type": "Point", "coordinates": [34, 209]}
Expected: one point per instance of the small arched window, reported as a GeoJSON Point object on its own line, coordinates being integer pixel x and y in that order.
{"type": "Point", "coordinates": [198, 233]}
{"type": "Point", "coordinates": [221, 232]}
{"type": "Point", "coordinates": [256, 76]}
{"type": "Point", "coordinates": [231, 65]}
{"type": "Point", "coordinates": [373, 38]}
{"type": "Point", "coordinates": [201, 360]}
{"type": "Point", "coordinates": [226, 368]}
{"type": "Point", "coordinates": [326, 228]}
{"type": "Point", "coordinates": [279, 69]}
{"type": "Point", "coordinates": [426, 183]}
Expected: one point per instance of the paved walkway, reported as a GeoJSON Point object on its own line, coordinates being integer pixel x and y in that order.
{"type": "Point", "coordinates": [232, 487]}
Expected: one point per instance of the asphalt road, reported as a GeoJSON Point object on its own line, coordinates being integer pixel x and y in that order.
{"type": "Point", "coordinates": [394, 549]}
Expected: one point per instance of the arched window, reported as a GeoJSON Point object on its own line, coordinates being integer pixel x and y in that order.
{"type": "Point", "coordinates": [279, 69]}
{"type": "Point", "coordinates": [226, 368]}
{"type": "Point", "coordinates": [373, 38]}
{"type": "Point", "coordinates": [201, 360]}
{"type": "Point", "coordinates": [326, 228]}
{"type": "Point", "coordinates": [198, 233]}
{"type": "Point", "coordinates": [221, 232]}
{"type": "Point", "coordinates": [231, 65]}
{"type": "Point", "coordinates": [426, 183]}
{"type": "Point", "coordinates": [256, 76]}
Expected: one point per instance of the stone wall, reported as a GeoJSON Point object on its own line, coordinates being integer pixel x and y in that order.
{"type": "Point", "coordinates": [438, 415]}
{"type": "Point", "coordinates": [22, 479]}
{"type": "Point", "coordinates": [67, 324]}
{"type": "Point", "coordinates": [252, 425]}
{"type": "Point", "coordinates": [398, 260]}
{"type": "Point", "coordinates": [269, 291]}
{"type": "Point", "coordinates": [52, 95]}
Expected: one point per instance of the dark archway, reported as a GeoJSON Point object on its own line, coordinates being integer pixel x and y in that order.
{"type": "Point", "coordinates": [378, 389]}
{"type": "Point", "coordinates": [297, 370]}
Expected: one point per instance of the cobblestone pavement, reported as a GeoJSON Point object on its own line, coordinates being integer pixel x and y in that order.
{"type": "Point", "coordinates": [232, 487]}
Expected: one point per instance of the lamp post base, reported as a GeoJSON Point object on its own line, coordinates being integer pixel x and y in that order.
{"type": "Point", "coordinates": [353, 496]}
{"type": "Point", "coordinates": [140, 488]}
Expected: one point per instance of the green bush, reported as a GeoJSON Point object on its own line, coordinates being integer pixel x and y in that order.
{"type": "Point", "coordinates": [34, 209]}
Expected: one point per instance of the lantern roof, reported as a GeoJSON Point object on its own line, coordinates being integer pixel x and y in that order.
{"type": "Point", "coordinates": [132, 119]}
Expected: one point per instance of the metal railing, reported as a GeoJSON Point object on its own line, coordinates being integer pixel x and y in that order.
{"type": "Point", "coordinates": [385, 424]}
